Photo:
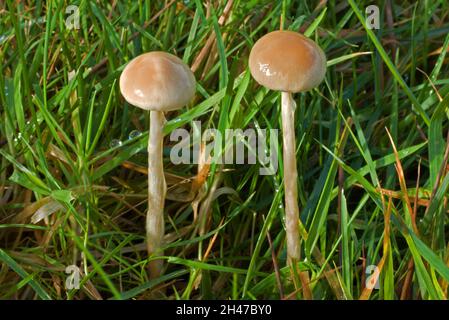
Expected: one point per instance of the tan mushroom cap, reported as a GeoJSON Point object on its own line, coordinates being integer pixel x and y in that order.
{"type": "Point", "coordinates": [157, 81]}
{"type": "Point", "coordinates": [287, 61]}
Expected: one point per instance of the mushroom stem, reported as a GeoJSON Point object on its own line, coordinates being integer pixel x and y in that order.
{"type": "Point", "coordinates": [157, 189]}
{"type": "Point", "coordinates": [290, 176]}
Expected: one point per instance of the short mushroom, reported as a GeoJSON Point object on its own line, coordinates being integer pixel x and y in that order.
{"type": "Point", "coordinates": [289, 62]}
{"type": "Point", "coordinates": [159, 82]}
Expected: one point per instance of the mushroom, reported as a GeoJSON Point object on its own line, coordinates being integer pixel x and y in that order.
{"type": "Point", "coordinates": [289, 62]}
{"type": "Point", "coordinates": [159, 82]}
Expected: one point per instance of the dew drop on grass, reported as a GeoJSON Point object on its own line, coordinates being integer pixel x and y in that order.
{"type": "Point", "coordinates": [19, 136]}
{"type": "Point", "coordinates": [134, 134]}
{"type": "Point", "coordinates": [115, 143]}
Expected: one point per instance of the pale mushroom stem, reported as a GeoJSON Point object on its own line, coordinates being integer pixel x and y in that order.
{"type": "Point", "coordinates": [157, 189]}
{"type": "Point", "coordinates": [290, 176]}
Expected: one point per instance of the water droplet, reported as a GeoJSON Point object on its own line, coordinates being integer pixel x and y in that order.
{"type": "Point", "coordinates": [115, 143]}
{"type": "Point", "coordinates": [19, 135]}
{"type": "Point", "coordinates": [15, 140]}
{"type": "Point", "coordinates": [134, 134]}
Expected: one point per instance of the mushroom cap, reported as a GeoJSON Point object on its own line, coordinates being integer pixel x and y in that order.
{"type": "Point", "coordinates": [157, 81]}
{"type": "Point", "coordinates": [287, 61]}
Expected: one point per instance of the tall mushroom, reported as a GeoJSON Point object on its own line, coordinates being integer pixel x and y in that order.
{"type": "Point", "coordinates": [289, 62]}
{"type": "Point", "coordinates": [159, 82]}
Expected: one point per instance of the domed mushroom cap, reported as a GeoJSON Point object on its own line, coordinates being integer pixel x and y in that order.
{"type": "Point", "coordinates": [157, 81]}
{"type": "Point", "coordinates": [287, 61]}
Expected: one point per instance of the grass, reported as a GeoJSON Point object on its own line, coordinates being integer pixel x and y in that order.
{"type": "Point", "coordinates": [372, 153]}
